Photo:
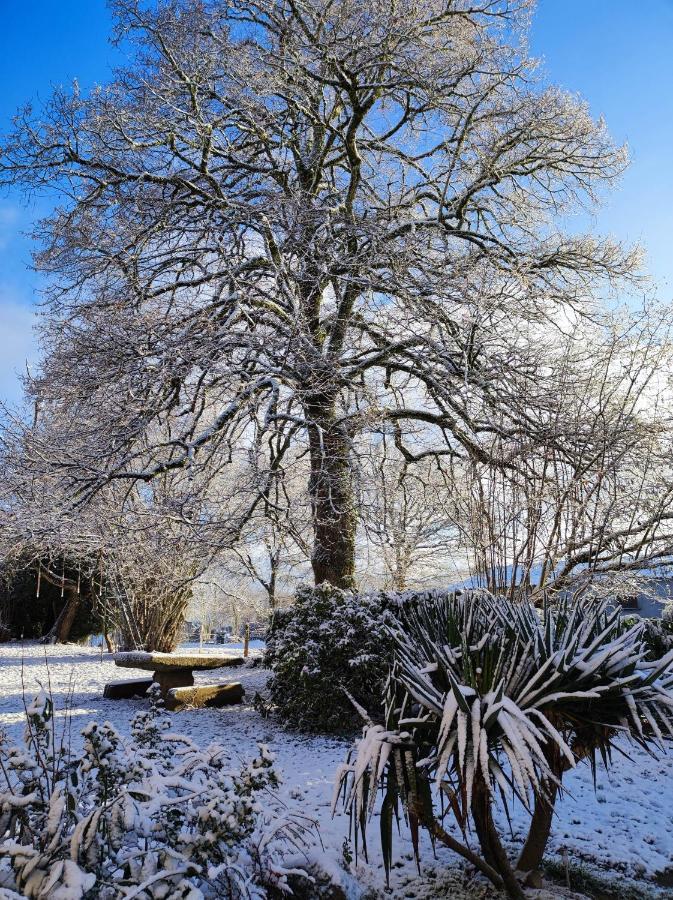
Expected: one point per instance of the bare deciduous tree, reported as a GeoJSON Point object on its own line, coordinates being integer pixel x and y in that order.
{"type": "Point", "coordinates": [590, 504]}
{"type": "Point", "coordinates": [407, 512]}
{"type": "Point", "coordinates": [131, 556]}
{"type": "Point", "coordinates": [286, 223]}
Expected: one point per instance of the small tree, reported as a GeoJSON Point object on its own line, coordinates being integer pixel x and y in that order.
{"type": "Point", "coordinates": [487, 696]}
{"type": "Point", "coordinates": [407, 514]}
{"type": "Point", "coordinates": [587, 506]}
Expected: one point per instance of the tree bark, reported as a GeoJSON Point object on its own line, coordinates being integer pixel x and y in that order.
{"type": "Point", "coordinates": [538, 834]}
{"type": "Point", "coordinates": [543, 812]}
{"type": "Point", "coordinates": [60, 630]}
{"type": "Point", "coordinates": [332, 502]}
{"type": "Point", "coordinates": [491, 846]}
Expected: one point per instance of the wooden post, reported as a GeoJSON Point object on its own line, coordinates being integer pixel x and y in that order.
{"type": "Point", "coordinates": [246, 640]}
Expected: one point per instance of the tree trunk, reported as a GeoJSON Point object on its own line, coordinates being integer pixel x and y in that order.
{"type": "Point", "coordinates": [332, 503]}
{"type": "Point", "coordinates": [489, 841]}
{"type": "Point", "coordinates": [538, 833]}
{"type": "Point", "coordinates": [60, 630]}
{"type": "Point", "coordinates": [543, 813]}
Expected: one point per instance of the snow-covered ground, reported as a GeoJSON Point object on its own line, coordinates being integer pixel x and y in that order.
{"type": "Point", "coordinates": [626, 824]}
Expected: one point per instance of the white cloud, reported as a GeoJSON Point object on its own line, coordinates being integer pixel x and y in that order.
{"type": "Point", "coordinates": [18, 345]}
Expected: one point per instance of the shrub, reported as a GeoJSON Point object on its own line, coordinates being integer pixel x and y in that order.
{"type": "Point", "coordinates": [657, 635]}
{"type": "Point", "coordinates": [488, 696]}
{"type": "Point", "coordinates": [327, 648]}
{"type": "Point", "coordinates": [153, 817]}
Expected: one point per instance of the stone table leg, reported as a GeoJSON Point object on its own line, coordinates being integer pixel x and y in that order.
{"type": "Point", "coordinates": [170, 678]}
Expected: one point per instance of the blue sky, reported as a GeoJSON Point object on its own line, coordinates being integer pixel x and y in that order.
{"type": "Point", "coordinates": [616, 53]}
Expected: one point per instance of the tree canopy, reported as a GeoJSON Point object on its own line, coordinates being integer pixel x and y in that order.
{"type": "Point", "coordinates": [288, 229]}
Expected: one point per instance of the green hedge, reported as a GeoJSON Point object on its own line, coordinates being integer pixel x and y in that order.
{"type": "Point", "coordinates": [329, 644]}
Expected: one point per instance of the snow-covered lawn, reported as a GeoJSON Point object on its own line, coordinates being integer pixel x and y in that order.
{"type": "Point", "coordinates": [625, 824]}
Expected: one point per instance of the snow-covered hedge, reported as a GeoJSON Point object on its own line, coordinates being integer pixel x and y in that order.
{"type": "Point", "coordinates": [667, 616]}
{"type": "Point", "coordinates": [153, 818]}
{"type": "Point", "coordinates": [327, 650]}
{"type": "Point", "coordinates": [657, 633]}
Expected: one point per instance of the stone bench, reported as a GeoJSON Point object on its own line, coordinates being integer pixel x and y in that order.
{"type": "Point", "coordinates": [208, 695]}
{"type": "Point", "coordinates": [175, 670]}
{"type": "Point", "coordinates": [127, 690]}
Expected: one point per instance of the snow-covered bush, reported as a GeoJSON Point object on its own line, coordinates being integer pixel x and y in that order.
{"type": "Point", "coordinates": [657, 634]}
{"type": "Point", "coordinates": [491, 698]}
{"type": "Point", "coordinates": [154, 817]}
{"type": "Point", "coordinates": [326, 650]}
{"type": "Point", "coordinates": [667, 616]}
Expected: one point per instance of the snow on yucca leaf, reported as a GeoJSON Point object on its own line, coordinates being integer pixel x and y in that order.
{"type": "Point", "coordinates": [492, 697]}
{"type": "Point", "coordinates": [509, 667]}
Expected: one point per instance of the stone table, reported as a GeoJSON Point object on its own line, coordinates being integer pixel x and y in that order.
{"type": "Point", "coordinates": [175, 670]}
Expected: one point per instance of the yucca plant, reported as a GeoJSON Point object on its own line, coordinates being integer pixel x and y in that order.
{"type": "Point", "coordinates": [489, 699]}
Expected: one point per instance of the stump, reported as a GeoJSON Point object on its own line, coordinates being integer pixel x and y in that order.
{"type": "Point", "coordinates": [127, 690]}
{"type": "Point", "coordinates": [212, 695]}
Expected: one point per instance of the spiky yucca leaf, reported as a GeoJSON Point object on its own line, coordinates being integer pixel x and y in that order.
{"type": "Point", "coordinates": [501, 697]}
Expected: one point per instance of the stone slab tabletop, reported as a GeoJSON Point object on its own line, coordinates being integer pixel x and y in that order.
{"type": "Point", "coordinates": [157, 662]}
